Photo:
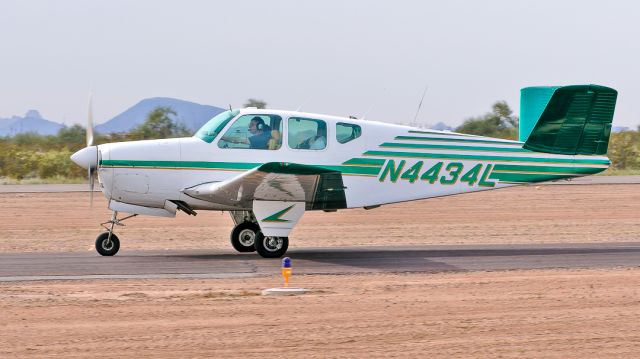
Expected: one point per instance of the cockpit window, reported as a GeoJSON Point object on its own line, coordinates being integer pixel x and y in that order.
{"type": "Point", "coordinates": [256, 132]}
{"type": "Point", "coordinates": [211, 129]}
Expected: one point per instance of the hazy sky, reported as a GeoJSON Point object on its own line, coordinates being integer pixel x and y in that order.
{"type": "Point", "coordinates": [336, 57]}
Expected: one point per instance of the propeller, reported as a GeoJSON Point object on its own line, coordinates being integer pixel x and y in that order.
{"type": "Point", "coordinates": [91, 169]}
{"type": "Point", "coordinates": [88, 157]}
{"type": "Point", "coordinates": [90, 122]}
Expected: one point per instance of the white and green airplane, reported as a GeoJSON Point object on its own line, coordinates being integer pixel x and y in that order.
{"type": "Point", "coordinates": [268, 167]}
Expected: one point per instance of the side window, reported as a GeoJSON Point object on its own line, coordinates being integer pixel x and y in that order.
{"type": "Point", "coordinates": [259, 132]}
{"type": "Point", "coordinates": [346, 132]}
{"type": "Point", "coordinates": [307, 133]}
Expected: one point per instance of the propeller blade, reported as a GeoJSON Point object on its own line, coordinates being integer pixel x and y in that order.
{"type": "Point", "coordinates": [90, 122]}
{"type": "Point", "coordinates": [91, 181]}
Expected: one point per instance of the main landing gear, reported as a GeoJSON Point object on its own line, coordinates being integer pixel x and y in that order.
{"type": "Point", "coordinates": [247, 237]}
{"type": "Point", "coordinates": [107, 243]}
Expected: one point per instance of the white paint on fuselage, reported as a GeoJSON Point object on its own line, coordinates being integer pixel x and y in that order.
{"type": "Point", "coordinates": [166, 183]}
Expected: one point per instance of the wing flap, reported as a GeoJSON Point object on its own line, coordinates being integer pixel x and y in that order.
{"type": "Point", "coordinates": [318, 187]}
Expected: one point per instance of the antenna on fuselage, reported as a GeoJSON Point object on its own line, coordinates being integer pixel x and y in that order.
{"type": "Point", "coordinates": [415, 119]}
{"type": "Point", "coordinates": [366, 113]}
{"type": "Point", "coordinates": [230, 109]}
{"type": "Point", "coordinates": [302, 104]}
{"type": "Point", "coordinates": [371, 107]}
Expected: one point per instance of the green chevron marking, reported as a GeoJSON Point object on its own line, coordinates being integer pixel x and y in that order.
{"type": "Point", "coordinates": [276, 216]}
{"type": "Point", "coordinates": [364, 162]}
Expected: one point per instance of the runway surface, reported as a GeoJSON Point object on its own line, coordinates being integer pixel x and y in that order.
{"type": "Point", "coordinates": [212, 264]}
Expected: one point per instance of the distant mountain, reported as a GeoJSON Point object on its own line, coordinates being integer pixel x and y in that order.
{"type": "Point", "coordinates": [31, 122]}
{"type": "Point", "coordinates": [191, 114]}
{"type": "Point", "coordinates": [441, 126]}
{"type": "Point", "coordinates": [616, 129]}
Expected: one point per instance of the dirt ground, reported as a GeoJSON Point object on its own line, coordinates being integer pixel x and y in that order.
{"type": "Point", "coordinates": [532, 214]}
{"type": "Point", "coordinates": [535, 314]}
{"type": "Point", "coordinates": [584, 313]}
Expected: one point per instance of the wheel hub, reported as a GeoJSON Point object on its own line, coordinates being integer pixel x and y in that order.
{"type": "Point", "coordinates": [107, 245]}
{"type": "Point", "coordinates": [247, 237]}
{"type": "Point", "coordinates": [272, 244]}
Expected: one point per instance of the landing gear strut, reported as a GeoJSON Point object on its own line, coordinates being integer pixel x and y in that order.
{"type": "Point", "coordinates": [107, 243]}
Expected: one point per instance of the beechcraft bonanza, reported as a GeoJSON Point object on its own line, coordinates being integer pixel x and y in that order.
{"type": "Point", "coordinates": [268, 167]}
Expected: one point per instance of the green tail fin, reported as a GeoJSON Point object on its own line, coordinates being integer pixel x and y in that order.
{"type": "Point", "coordinates": [576, 121]}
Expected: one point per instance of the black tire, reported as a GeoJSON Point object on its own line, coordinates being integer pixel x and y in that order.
{"type": "Point", "coordinates": [271, 247]}
{"type": "Point", "coordinates": [104, 248]}
{"type": "Point", "coordinates": [243, 237]}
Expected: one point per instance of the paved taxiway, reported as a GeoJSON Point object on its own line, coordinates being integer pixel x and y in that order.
{"type": "Point", "coordinates": [211, 264]}
{"type": "Point", "coordinates": [335, 260]}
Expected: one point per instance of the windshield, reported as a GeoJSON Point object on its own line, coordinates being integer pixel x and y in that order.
{"type": "Point", "coordinates": [212, 128]}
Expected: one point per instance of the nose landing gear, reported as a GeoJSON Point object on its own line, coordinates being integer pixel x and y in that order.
{"type": "Point", "coordinates": [107, 243]}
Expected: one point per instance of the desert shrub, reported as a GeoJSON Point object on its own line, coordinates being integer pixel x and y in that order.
{"type": "Point", "coordinates": [624, 150]}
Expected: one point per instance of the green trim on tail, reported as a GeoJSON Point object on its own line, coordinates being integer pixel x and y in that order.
{"type": "Point", "coordinates": [576, 121]}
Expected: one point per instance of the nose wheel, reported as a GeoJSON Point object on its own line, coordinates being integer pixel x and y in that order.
{"type": "Point", "coordinates": [107, 243]}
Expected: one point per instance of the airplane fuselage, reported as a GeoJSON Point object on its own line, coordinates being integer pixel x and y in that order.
{"type": "Point", "coordinates": [385, 164]}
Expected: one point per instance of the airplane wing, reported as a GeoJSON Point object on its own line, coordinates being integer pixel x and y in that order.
{"type": "Point", "coordinates": [318, 187]}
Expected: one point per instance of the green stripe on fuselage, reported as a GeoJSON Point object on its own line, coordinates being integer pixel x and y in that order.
{"type": "Point", "coordinates": [442, 133]}
{"type": "Point", "coordinates": [454, 147]}
{"type": "Point", "coordinates": [485, 158]}
{"type": "Point", "coordinates": [528, 177]}
{"type": "Point", "coordinates": [417, 138]}
{"type": "Point", "coordinates": [548, 169]}
{"type": "Point", "coordinates": [371, 167]}
{"type": "Point", "coordinates": [354, 170]}
{"type": "Point", "coordinates": [231, 166]}
{"type": "Point", "coordinates": [180, 164]}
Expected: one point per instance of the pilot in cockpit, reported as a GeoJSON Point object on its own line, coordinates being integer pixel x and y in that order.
{"type": "Point", "coordinates": [260, 133]}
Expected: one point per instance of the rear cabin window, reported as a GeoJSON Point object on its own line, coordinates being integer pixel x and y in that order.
{"type": "Point", "coordinates": [307, 133]}
{"type": "Point", "coordinates": [257, 132]}
{"type": "Point", "coordinates": [346, 132]}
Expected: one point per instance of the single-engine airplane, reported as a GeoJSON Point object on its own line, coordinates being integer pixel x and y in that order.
{"type": "Point", "coordinates": [268, 167]}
